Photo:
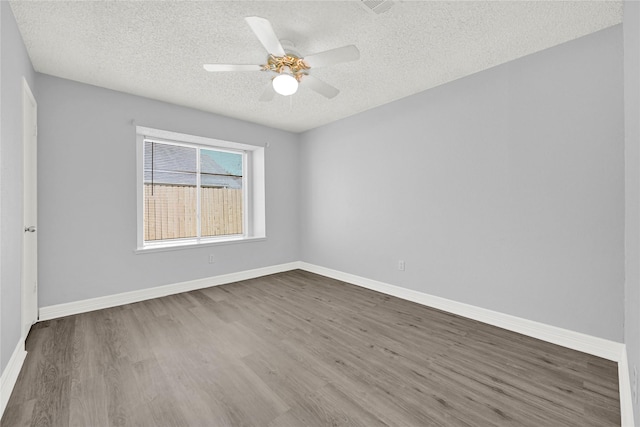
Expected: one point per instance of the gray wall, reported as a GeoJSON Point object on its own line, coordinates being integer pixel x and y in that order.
{"type": "Point", "coordinates": [504, 190]}
{"type": "Point", "coordinates": [631, 26]}
{"type": "Point", "coordinates": [87, 194]}
{"type": "Point", "coordinates": [15, 64]}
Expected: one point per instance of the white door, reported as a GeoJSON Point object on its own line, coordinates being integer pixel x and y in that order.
{"type": "Point", "coordinates": [30, 235]}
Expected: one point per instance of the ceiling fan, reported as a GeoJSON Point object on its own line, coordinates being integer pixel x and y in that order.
{"type": "Point", "coordinates": [291, 69]}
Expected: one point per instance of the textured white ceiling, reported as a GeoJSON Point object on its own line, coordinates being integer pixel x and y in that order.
{"type": "Point", "coordinates": [156, 48]}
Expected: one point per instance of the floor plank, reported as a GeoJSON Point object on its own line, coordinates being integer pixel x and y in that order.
{"type": "Point", "coordinates": [298, 349]}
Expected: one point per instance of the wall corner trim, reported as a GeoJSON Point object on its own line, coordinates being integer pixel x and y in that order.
{"type": "Point", "coordinates": [626, 397]}
{"type": "Point", "coordinates": [92, 304]}
{"type": "Point", "coordinates": [10, 374]}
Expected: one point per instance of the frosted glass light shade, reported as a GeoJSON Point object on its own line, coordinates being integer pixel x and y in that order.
{"type": "Point", "coordinates": [285, 84]}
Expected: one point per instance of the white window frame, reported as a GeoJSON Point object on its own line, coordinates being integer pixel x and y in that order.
{"type": "Point", "coordinates": [252, 182]}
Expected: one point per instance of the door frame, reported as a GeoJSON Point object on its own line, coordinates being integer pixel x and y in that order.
{"type": "Point", "coordinates": [29, 297]}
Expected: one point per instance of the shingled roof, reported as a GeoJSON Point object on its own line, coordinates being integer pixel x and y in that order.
{"type": "Point", "coordinates": [176, 165]}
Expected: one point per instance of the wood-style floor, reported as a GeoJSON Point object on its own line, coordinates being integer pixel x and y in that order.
{"type": "Point", "coordinates": [297, 349]}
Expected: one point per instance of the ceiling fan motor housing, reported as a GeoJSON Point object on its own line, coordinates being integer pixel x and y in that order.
{"type": "Point", "coordinates": [292, 63]}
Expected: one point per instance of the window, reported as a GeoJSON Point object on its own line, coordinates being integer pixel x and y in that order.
{"type": "Point", "coordinates": [194, 190]}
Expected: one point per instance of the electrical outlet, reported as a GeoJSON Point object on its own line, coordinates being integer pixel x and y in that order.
{"type": "Point", "coordinates": [401, 265]}
{"type": "Point", "coordinates": [212, 259]}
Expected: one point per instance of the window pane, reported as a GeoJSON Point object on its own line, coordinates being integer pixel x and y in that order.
{"type": "Point", "coordinates": [221, 193]}
{"type": "Point", "coordinates": [170, 201]}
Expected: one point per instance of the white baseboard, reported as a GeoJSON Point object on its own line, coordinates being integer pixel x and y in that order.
{"type": "Point", "coordinates": [626, 397]}
{"type": "Point", "coordinates": [84, 306]}
{"type": "Point", "coordinates": [10, 374]}
{"type": "Point", "coordinates": [600, 347]}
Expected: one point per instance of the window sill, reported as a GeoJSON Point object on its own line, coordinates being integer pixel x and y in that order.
{"type": "Point", "coordinates": [191, 245]}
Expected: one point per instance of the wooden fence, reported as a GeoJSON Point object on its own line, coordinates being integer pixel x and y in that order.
{"type": "Point", "coordinates": [170, 212]}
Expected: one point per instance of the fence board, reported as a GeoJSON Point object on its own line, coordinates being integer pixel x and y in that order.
{"type": "Point", "coordinates": [170, 211]}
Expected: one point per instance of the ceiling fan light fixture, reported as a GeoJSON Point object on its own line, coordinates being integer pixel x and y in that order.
{"type": "Point", "coordinates": [285, 84]}
{"type": "Point", "coordinates": [290, 68]}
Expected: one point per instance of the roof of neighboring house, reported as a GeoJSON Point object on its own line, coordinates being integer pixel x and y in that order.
{"type": "Point", "coordinates": [177, 165]}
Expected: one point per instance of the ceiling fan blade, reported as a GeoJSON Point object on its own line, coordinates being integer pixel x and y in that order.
{"type": "Point", "coordinates": [263, 30]}
{"type": "Point", "coordinates": [324, 89]}
{"type": "Point", "coordinates": [333, 56]}
{"type": "Point", "coordinates": [231, 67]}
{"type": "Point", "coordinates": [268, 93]}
